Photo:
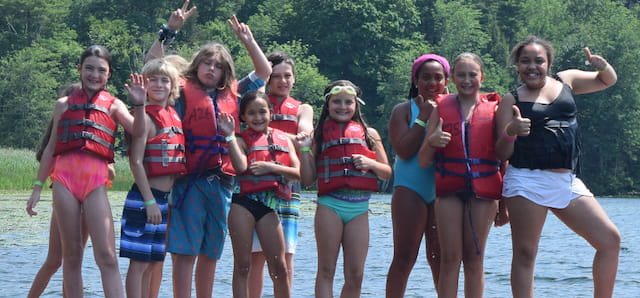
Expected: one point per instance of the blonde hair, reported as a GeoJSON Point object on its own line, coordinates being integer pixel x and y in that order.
{"type": "Point", "coordinates": [178, 62]}
{"type": "Point", "coordinates": [164, 67]}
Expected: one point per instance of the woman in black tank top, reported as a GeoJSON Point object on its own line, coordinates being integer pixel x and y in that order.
{"type": "Point", "coordinates": [537, 122]}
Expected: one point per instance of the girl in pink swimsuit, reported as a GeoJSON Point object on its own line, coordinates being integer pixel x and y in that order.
{"type": "Point", "coordinates": [80, 174]}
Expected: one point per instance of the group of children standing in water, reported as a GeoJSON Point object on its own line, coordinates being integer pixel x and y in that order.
{"type": "Point", "coordinates": [198, 174]}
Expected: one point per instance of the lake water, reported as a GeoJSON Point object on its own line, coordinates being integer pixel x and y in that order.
{"type": "Point", "coordinates": [563, 267]}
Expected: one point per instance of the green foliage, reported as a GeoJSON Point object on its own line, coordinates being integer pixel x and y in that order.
{"type": "Point", "coordinates": [370, 42]}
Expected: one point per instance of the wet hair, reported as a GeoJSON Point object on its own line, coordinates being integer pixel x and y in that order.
{"type": "Point", "coordinates": [97, 51]}
{"type": "Point", "coordinates": [517, 49]}
{"type": "Point", "coordinates": [279, 57]}
{"type": "Point", "coordinates": [219, 52]}
{"type": "Point", "coordinates": [164, 67]}
{"type": "Point", "coordinates": [417, 66]}
{"type": "Point", "coordinates": [251, 97]}
{"type": "Point", "coordinates": [64, 91]}
{"type": "Point", "coordinates": [324, 115]}
{"type": "Point", "coordinates": [471, 56]}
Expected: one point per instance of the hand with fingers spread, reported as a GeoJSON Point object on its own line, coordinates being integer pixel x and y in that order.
{"type": "Point", "coordinates": [518, 126]}
{"type": "Point", "coordinates": [439, 138]}
{"type": "Point", "coordinates": [179, 16]}
{"type": "Point", "coordinates": [240, 29]}
{"type": "Point", "coordinates": [599, 63]}
{"type": "Point", "coordinates": [137, 89]}
{"type": "Point", "coordinates": [425, 106]}
{"type": "Point", "coordinates": [227, 123]}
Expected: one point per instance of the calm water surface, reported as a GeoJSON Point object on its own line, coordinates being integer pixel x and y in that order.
{"type": "Point", "coordinates": [563, 267]}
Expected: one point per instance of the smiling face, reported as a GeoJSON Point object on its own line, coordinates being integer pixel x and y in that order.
{"type": "Point", "coordinates": [158, 89]}
{"type": "Point", "coordinates": [468, 77]}
{"type": "Point", "coordinates": [257, 114]}
{"type": "Point", "coordinates": [210, 72]}
{"type": "Point", "coordinates": [430, 79]}
{"type": "Point", "coordinates": [342, 106]}
{"type": "Point", "coordinates": [94, 74]}
{"type": "Point", "coordinates": [281, 80]}
{"type": "Point", "coordinates": [533, 65]}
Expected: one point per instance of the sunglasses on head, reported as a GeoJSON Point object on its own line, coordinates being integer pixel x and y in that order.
{"type": "Point", "coordinates": [346, 89]}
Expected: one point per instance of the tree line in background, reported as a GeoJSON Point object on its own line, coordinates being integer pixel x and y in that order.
{"type": "Point", "coordinates": [370, 42]}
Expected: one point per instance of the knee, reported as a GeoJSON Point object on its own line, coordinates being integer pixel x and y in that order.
{"type": "Point", "coordinates": [52, 264]}
{"type": "Point", "coordinates": [326, 271]}
{"type": "Point", "coordinates": [354, 277]}
{"type": "Point", "coordinates": [525, 255]}
{"type": "Point", "coordinates": [403, 262]}
{"type": "Point", "coordinates": [242, 269]}
{"type": "Point", "coordinates": [279, 272]}
{"type": "Point", "coordinates": [610, 241]}
{"type": "Point", "coordinates": [473, 264]}
{"type": "Point", "coordinates": [106, 259]}
{"type": "Point", "coordinates": [450, 257]}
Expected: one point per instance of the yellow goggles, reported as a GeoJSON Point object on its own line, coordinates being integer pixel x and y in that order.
{"type": "Point", "coordinates": [346, 89]}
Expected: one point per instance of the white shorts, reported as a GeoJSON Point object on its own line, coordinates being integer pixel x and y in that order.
{"type": "Point", "coordinates": [545, 188]}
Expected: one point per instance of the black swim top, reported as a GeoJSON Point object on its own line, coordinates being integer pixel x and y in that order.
{"type": "Point", "coordinates": [553, 141]}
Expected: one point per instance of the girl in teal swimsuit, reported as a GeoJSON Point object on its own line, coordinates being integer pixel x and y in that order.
{"type": "Point", "coordinates": [341, 217]}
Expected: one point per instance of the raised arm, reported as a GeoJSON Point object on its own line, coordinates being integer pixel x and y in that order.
{"type": "Point", "coordinates": [436, 138]}
{"type": "Point", "coordinates": [583, 82]}
{"type": "Point", "coordinates": [175, 23]}
{"type": "Point", "coordinates": [260, 63]}
{"type": "Point", "coordinates": [136, 124]}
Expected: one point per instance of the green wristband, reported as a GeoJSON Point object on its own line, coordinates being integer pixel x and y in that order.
{"type": "Point", "coordinates": [420, 122]}
{"type": "Point", "coordinates": [38, 182]}
{"type": "Point", "coordinates": [305, 149]}
{"type": "Point", "coordinates": [149, 202]}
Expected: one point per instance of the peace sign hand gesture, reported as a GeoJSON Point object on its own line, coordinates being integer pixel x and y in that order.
{"type": "Point", "coordinates": [240, 29]}
{"type": "Point", "coordinates": [179, 16]}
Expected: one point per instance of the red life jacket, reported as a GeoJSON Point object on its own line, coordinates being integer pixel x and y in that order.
{"type": "Point", "coordinates": [164, 153]}
{"type": "Point", "coordinates": [205, 146]}
{"type": "Point", "coordinates": [262, 147]}
{"type": "Point", "coordinates": [472, 166]}
{"type": "Point", "coordinates": [87, 125]}
{"type": "Point", "coordinates": [335, 166]}
{"type": "Point", "coordinates": [285, 114]}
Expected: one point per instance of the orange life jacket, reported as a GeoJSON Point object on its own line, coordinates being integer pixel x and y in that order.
{"type": "Point", "coordinates": [164, 153]}
{"type": "Point", "coordinates": [263, 147]}
{"type": "Point", "coordinates": [87, 125]}
{"type": "Point", "coordinates": [335, 166]}
{"type": "Point", "coordinates": [469, 164]}
{"type": "Point", "coordinates": [205, 146]}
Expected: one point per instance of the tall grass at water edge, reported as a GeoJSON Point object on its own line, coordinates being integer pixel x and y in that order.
{"type": "Point", "coordinates": [19, 167]}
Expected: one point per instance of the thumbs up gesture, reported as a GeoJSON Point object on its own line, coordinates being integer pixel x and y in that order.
{"type": "Point", "coordinates": [518, 126]}
{"type": "Point", "coordinates": [599, 63]}
{"type": "Point", "coordinates": [439, 138]}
